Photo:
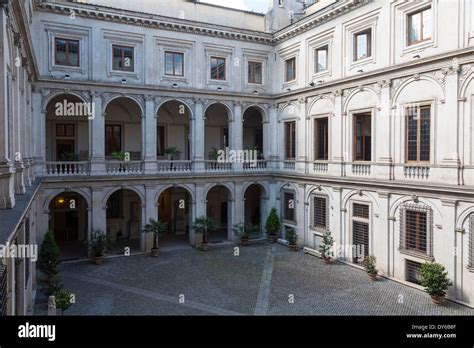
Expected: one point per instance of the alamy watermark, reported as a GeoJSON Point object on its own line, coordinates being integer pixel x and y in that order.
{"type": "Point", "coordinates": [238, 156]}
{"type": "Point", "coordinates": [75, 109]}
{"type": "Point", "coordinates": [21, 251]}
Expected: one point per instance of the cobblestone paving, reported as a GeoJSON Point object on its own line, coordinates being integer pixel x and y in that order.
{"type": "Point", "coordinates": [262, 280]}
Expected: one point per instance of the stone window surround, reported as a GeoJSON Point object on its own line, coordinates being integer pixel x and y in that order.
{"type": "Point", "coordinates": [286, 222]}
{"type": "Point", "coordinates": [318, 231]}
{"type": "Point", "coordinates": [405, 9]}
{"type": "Point", "coordinates": [319, 41]}
{"type": "Point", "coordinates": [312, 138]}
{"type": "Point", "coordinates": [226, 52]}
{"type": "Point", "coordinates": [186, 48]}
{"type": "Point", "coordinates": [373, 121]}
{"type": "Point", "coordinates": [286, 54]}
{"type": "Point", "coordinates": [471, 243]}
{"type": "Point", "coordinates": [258, 57]}
{"type": "Point", "coordinates": [127, 40]}
{"type": "Point", "coordinates": [421, 207]}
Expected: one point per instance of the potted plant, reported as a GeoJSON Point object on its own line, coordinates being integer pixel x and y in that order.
{"type": "Point", "coordinates": [370, 266]}
{"type": "Point", "coordinates": [172, 152]}
{"type": "Point", "coordinates": [157, 228]}
{"type": "Point", "coordinates": [272, 225]}
{"type": "Point", "coordinates": [326, 246]}
{"type": "Point", "coordinates": [49, 256]}
{"type": "Point", "coordinates": [434, 279]}
{"type": "Point", "coordinates": [292, 237]}
{"type": "Point", "coordinates": [121, 157]}
{"type": "Point", "coordinates": [63, 299]}
{"type": "Point", "coordinates": [204, 225]}
{"type": "Point", "coordinates": [243, 232]}
{"type": "Point", "coordinates": [98, 246]}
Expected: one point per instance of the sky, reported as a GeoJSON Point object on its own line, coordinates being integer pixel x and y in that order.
{"type": "Point", "coordinates": [248, 5]}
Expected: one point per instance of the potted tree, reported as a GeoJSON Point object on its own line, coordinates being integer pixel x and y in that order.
{"type": "Point", "coordinates": [172, 152]}
{"type": "Point", "coordinates": [157, 228]}
{"type": "Point", "coordinates": [243, 232]}
{"type": "Point", "coordinates": [292, 237]}
{"type": "Point", "coordinates": [434, 279]}
{"type": "Point", "coordinates": [98, 246]}
{"type": "Point", "coordinates": [63, 299]}
{"type": "Point", "coordinates": [272, 225]}
{"type": "Point", "coordinates": [325, 248]}
{"type": "Point", "coordinates": [204, 225]}
{"type": "Point", "coordinates": [370, 266]}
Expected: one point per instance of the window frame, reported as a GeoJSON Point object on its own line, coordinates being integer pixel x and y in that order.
{"type": "Point", "coordinates": [312, 224]}
{"type": "Point", "coordinates": [409, 19]}
{"type": "Point", "coordinates": [293, 69]}
{"type": "Point", "coordinates": [416, 207]}
{"type": "Point", "coordinates": [290, 143]}
{"type": "Point", "coordinates": [368, 32]}
{"type": "Point", "coordinates": [254, 80]}
{"type": "Point", "coordinates": [120, 137]}
{"type": "Point", "coordinates": [174, 54]}
{"type": "Point", "coordinates": [316, 59]}
{"type": "Point", "coordinates": [122, 48]}
{"type": "Point", "coordinates": [355, 115]}
{"type": "Point", "coordinates": [56, 63]}
{"type": "Point", "coordinates": [285, 219]}
{"type": "Point", "coordinates": [418, 139]}
{"type": "Point", "coordinates": [218, 70]}
{"type": "Point", "coordinates": [316, 122]}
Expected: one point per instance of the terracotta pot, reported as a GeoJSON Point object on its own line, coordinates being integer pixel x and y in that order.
{"type": "Point", "coordinates": [244, 241]}
{"type": "Point", "coordinates": [155, 252]}
{"type": "Point", "coordinates": [204, 246]}
{"type": "Point", "coordinates": [98, 260]}
{"type": "Point", "coordinates": [437, 300]}
{"type": "Point", "coordinates": [372, 276]}
{"type": "Point", "coordinates": [293, 247]}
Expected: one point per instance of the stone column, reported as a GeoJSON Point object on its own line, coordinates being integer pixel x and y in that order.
{"type": "Point", "coordinates": [384, 133]}
{"type": "Point", "coordinates": [444, 243]}
{"type": "Point", "coordinates": [335, 216]}
{"type": "Point", "coordinates": [335, 168]}
{"type": "Point", "coordinates": [198, 127]}
{"type": "Point", "coordinates": [97, 136]}
{"type": "Point", "coordinates": [379, 235]}
{"type": "Point", "coordinates": [273, 137]}
{"type": "Point", "coordinates": [200, 210]}
{"type": "Point", "coordinates": [300, 214]}
{"type": "Point", "coordinates": [239, 211]}
{"type": "Point", "coordinates": [150, 136]}
{"type": "Point", "coordinates": [237, 135]}
{"type": "Point", "coordinates": [267, 135]}
{"type": "Point", "coordinates": [151, 212]}
{"type": "Point", "coordinates": [301, 156]}
{"type": "Point", "coordinates": [99, 216]}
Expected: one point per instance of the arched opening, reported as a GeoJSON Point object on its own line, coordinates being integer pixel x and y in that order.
{"type": "Point", "coordinates": [253, 131]}
{"type": "Point", "coordinates": [253, 206]}
{"type": "Point", "coordinates": [68, 221]}
{"type": "Point", "coordinates": [217, 130]}
{"type": "Point", "coordinates": [67, 132]}
{"type": "Point", "coordinates": [219, 210]}
{"type": "Point", "coordinates": [174, 208]}
{"type": "Point", "coordinates": [124, 221]}
{"type": "Point", "coordinates": [123, 130]}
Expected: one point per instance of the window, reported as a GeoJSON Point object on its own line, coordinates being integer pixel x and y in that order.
{"type": "Point", "coordinates": [66, 52]}
{"type": "Point", "coordinates": [418, 133]}
{"type": "Point", "coordinates": [114, 205]}
{"type": "Point", "coordinates": [419, 26]}
{"type": "Point", "coordinates": [321, 140]}
{"type": "Point", "coordinates": [363, 137]}
{"type": "Point", "coordinates": [174, 64]}
{"type": "Point", "coordinates": [113, 139]}
{"type": "Point", "coordinates": [416, 230]}
{"type": "Point", "coordinates": [363, 45]}
{"type": "Point", "coordinates": [360, 232]}
{"type": "Point", "coordinates": [471, 243]}
{"type": "Point", "coordinates": [320, 212]}
{"type": "Point", "coordinates": [290, 69]}
{"type": "Point", "coordinates": [413, 272]}
{"type": "Point", "coordinates": [218, 67]}
{"type": "Point", "coordinates": [65, 130]}
{"type": "Point", "coordinates": [255, 72]}
{"type": "Point", "coordinates": [321, 56]}
{"type": "Point", "coordinates": [3, 290]}
{"type": "Point", "coordinates": [123, 58]}
{"type": "Point", "coordinates": [160, 142]}
{"type": "Point", "coordinates": [290, 141]}
{"type": "Point", "coordinates": [289, 206]}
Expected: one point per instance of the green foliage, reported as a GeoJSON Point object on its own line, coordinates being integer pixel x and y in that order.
{"type": "Point", "coordinates": [291, 236]}
{"type": "Point", "coordinates": [434, 279]}
{"type": "Point", "coordinates": [119, 156]}
{"type": "Point", "coordinates": [326, 246]}
{"type": "Point", "coordinates": [49, 256]}
{"type": "Point", "coordinates": [69, 157]}
{"type": "Point", "coordinates": [157, 228]}
{"type": "Point", "coordinates": [63, 300]}
{"type": "Point", "coordinates": [273, 224]}
{"type": "Point", "coordinates": [99, 243]}
{"type": "Point", "coordinates": [204, 225]}
{"type": "Point", "coordinates": [370, 265]}
{"type": "Point", "coordinates": [214, 154]}
{"type": "Point", "coordinates": [244, 231]}
{"type": "Point", "coordinates": [172, 151]}
{"type": "Point", "coordinates": [51, 285]}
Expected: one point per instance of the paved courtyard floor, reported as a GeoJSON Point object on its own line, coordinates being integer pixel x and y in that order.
{"type": "Point", "coordinates": [264, 280]}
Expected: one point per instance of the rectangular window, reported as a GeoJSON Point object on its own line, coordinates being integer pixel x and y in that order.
{"type": "Point", "coordinates": [174, 64]}
{"type": "Point", "coordinates": [290, 140]}
{"type": "Point", "coordinates": [363, 137]}
{"type": "Point", "coordinates": [3, 290]}
{"type": "Point", "coordinates": [471, 242]}
{"type": "Point", "coordinates": [290, 69]}
{"type": "Point", "coordinates": [361, 211]}
{"type": "Point", "coordinates": [413, 272]}
{"type": "Point", "coordinates": [289, 206]}
{"type": "Point", "coordinates": [66, 52]}
{"type": "Point", "coordinates": [123, 58]}
{"type": "Point", "coordinates": [321, 139]}
{"type": "Point", "coordinates": [360, 231]}
{"type": "Point", "coordinates": [255, 72]}
{"type": "Point", "coordinates": [218, 67]}
{"type": "Point", "coordinates": [320, 212]}
{"type": "Point", "coordinates": [160, 150]}
{"type": "Point", "coordinates": [363, 45]}
{"type": "Point", "coordinates": [418, 133]}
{"type": "Point", "coordinates": [419, 26]}
{"type": "Point", "coordinates": [65, 130]}
{"type": "Point", "coordinates": [113, 139]}
{"type": "Point", "coordinates": [321, 56]}
{"type": "Point", "coordinates": [416, 231]}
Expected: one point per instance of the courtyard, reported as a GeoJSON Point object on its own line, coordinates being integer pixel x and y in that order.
{"type": "Point", "coordinates": [263, 279]}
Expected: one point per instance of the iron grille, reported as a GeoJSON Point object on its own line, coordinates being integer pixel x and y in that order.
{"type": "Point", "coordinates": [360, 240]}
{"type": "Point", "coordinates": [416, 229]}
{"type": "Point", "coordinates": [471, 243]}
{"type": "Point", "coordinates": [320, 212]}
{"type": "Point", "coordinates": [3, 290]}
{"type": "Point", "coordinates": [413, 272]}
{"type": "Point", "coordinates": [361, 211]}
{"type": "Point", "coordinates": [289, 205]}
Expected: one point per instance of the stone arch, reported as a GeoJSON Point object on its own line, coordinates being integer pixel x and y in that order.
{"type": "Point", "coordinates": [54, 193]}
{"type": "Point", "coordinates": [287, 106]}
{"type": "Point", "coordinates": [395, 206]}
{"type": "Point", "coordinates": [54, 94]}
{"type": "Point", "coordinates": [262, 110]}
{"type": "Point", "coordinates": [226, 105]}
{"type": "Point", "coordinates": [318, 100]}
{"type": "Point", "coordinates": [263, 186]}
{"type": "Point", "coordinates": [346, 199]}
{"type": "Point", "coordinates": [466, 84]}
{"type": "Point", "coordinates": [119, 96]}
{"type": "Point", "coordinates": [405, 84]}
{"type": "Point", "coordinates": [464, 217]}
{"type": "Point", "coordinates": [186, 187]}
{"type": "Point", "coordinates": [315, 189]}
{"type": "Point", "coordinates": [359, 91]}
{"type": "Point", "coordinates": [209, 187]}
{"type": "Point", "coordinates": [179, 100]}
{"type": "Point", "coordinates": [118, 188]}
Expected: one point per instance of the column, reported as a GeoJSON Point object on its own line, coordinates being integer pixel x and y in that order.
{"type": "Point", "coordinates": [149, 136]}
{"type": "Point", "coordinates": [151, 212]}
{"type": "Point", "coordinates": [301, 138]}
{"type": "Point", "coordinates": [267, 135]}
{"type": "Point", "coordinates": [200, 210]}
{"type": "Point", "coordinates": [335, 216]}
{"type": "Point", "coordinates": [97, 136]}
{"type": "Point", "coordinates": [383, 132]}
{"type": "Point", "coordinates": [445, 249]}
{"type": "Point", "coordinates": [273, 136]}
{"type": "Point", "coordinates": [99, 217]}
{"type": "Point", "coordinates": [199, 134]}
{"type": "Point", "coordinates": [379, 234]}
{"type": "Point", "coordinates": [336, 136]}
{"type": "Point", "coordinates": [237, 129]}
{"type": "Point", "coordinates": [18, 135]}
{"type": "Point", "coordinates": [300, 214]}
{"type": "Point", "coordinates": [239, 211]}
